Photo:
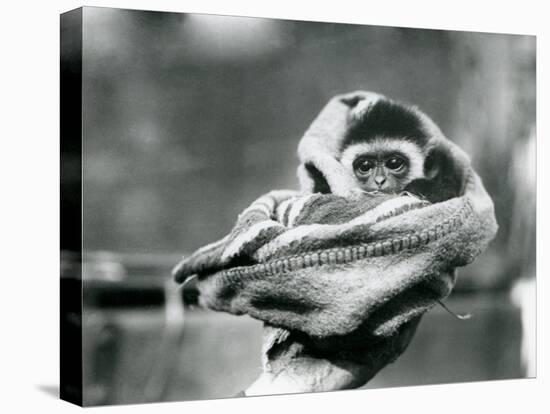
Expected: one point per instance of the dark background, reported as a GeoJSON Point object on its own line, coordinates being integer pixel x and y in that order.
{"type": "Point", "coordinates": [188, 118]}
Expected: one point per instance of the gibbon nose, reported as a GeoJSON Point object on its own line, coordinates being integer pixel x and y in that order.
{"type": "Point", "coordinates": [379, 180]}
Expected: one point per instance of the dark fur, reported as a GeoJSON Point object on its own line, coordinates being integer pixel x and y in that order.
{"type": "Point", "coordinates": [321, 184]}
{"type": "Point", "coordinates": [446, 177]}
{"type": "Point", "coordinates": [387, 118]}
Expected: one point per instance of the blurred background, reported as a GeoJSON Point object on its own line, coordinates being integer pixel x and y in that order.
{"type": "Point", "coordinates": [188, 118]}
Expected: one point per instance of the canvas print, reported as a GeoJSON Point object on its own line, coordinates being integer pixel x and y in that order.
{"type": "Point", "coordinates": [255, 206]}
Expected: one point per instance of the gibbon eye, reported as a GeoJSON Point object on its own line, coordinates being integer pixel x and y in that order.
{"type": "Point", "coordinates": [395, 163]}
{"type": "Point", "coordinates": [364, 166]}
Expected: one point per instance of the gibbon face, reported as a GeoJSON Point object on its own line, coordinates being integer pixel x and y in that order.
{"type": "Point", "coordinates": [386, 147]}
{"type": "Point", "coordinates": [385, 164]}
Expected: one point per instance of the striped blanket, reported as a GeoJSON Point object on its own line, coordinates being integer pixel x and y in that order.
{"type": "Point", "coordinates": [328, 265]}
{"type": "Point", "coordinates": [341, 277]}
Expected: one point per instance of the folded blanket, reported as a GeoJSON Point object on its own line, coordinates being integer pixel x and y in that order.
{"type": "Point", "coordinates": [337, 274]}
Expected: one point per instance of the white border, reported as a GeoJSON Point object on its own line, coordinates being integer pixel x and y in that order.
{"type": "Point", "coordinates": [30, 192]}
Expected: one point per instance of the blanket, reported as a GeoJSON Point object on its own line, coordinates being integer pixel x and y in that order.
{"type": "Point", "coordinates": [341, 277]}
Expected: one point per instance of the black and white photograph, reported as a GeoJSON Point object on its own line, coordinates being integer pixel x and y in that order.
{"type": "Point", "coordinates": [256, 206]}
{"type": "Point", "coordinates": [272, 207]}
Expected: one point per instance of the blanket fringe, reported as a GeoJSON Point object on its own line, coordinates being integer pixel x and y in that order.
{"type": "Point", "coordinates": [463, 317]}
